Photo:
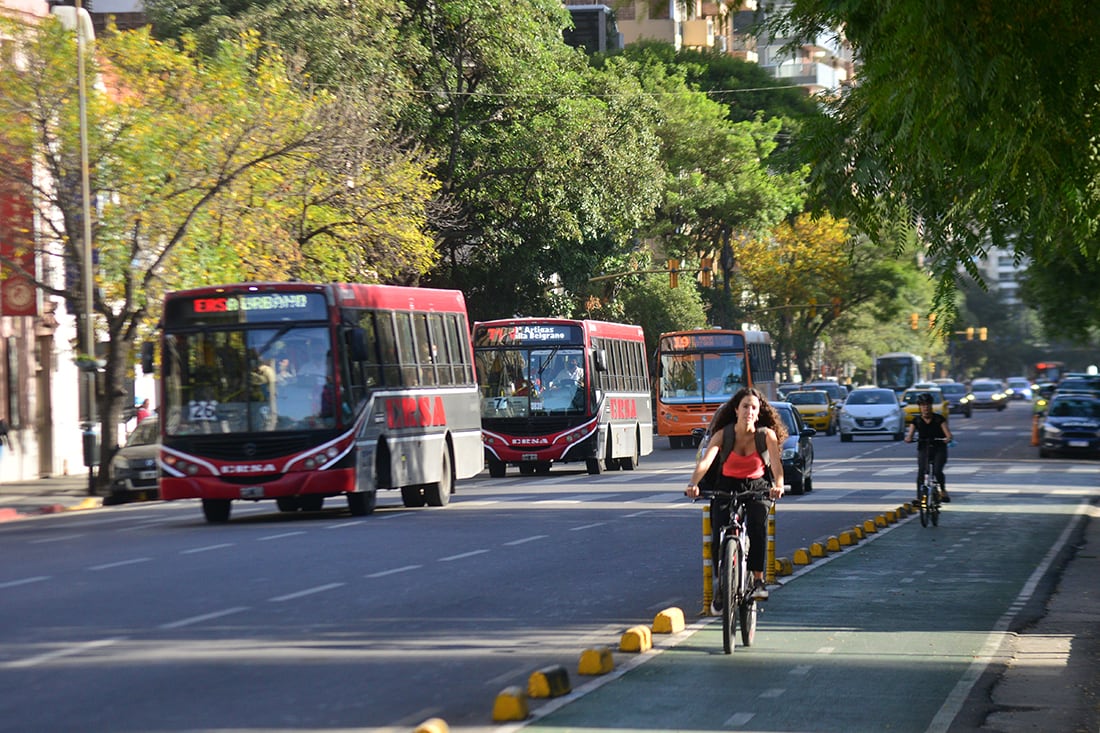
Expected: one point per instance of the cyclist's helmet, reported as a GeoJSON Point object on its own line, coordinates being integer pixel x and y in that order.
{"type": "Point", "coordinates": [924, 399]}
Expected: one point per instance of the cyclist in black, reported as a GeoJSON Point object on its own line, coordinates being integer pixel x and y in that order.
{"type": "Point", "coordinates": [746, 413]}
{"type": "Point", "coordinates": [932, 436]}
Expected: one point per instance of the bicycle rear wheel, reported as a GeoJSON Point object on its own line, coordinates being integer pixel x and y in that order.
{"type": "Point", "coordinates": [730, 580]}
{"type": "Point", "coordinates": [748, 611]}
{"type": "Point", "coordinates": [934, 507]}
{"type": "Point", "coordinates": [925, 506]}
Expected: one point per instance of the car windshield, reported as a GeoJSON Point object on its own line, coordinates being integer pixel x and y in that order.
{"type": "Point", "coordinates": [911, 397]}
{"type": "Point", "coordinates": [788, 420]}
{"type": "Point", "coordinates": [1075, 408]}
{"type": "Point", "coordinates": [808, 398]}
{"type": "Point", "coordinates": [952, 389]}
{"type": "Point", "coordinates": [871, 397]}
{"type": "Point", "coordinates": [985, 387]}
{"type": "Point", "coordinates": [146, 433]}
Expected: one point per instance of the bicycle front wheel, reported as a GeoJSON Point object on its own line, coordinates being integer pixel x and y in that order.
{"type": "Point", "coordinates": [925, 506]}
{"type": "Point", "coordinates": [748, 611]}
{"type": "Point", "coordinates": [730, 580]}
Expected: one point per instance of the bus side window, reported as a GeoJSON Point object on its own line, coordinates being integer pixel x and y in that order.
{"type": "Point", "coordinates": [440, 353]}
{"type": "Point", "coordinates": [387, 348]}
{"type": "Point", "coordinates": [424, 356]}
{"type": "Point", "coordinates": [458, 337]}
{"type": "Point", "coordinates": [406, 350]}
{"type": "Point", "coordinates": [365, 350]}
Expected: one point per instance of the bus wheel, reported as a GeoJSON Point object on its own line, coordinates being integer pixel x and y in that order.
{"type": "Point", "coordinates": [630, 462]}
{"type": "Point", "coordinates": [216, 511]}
{"type": "Point", "coordinates": [527, 469]}
{"type": "Point", "coordinates": [497, 467]}
{"type": "Point", "coordinates": [412, 496]}
{"type": "Point", "coordinates": [312, 502]}
{"type": "Point", "coordinates": [542, 467]}
{"type": "Point", "coordinates": [288, 503]}
{"type": "Point", "coordinates": [362, 503]}
{"type": "Point", "coordinates": [439, 493]}
{"type": "Point", "coordinates": [595, 465]}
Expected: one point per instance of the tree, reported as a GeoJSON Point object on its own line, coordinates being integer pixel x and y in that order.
{"type": "Point", "coordinates": [176, 148]}
{"type": "Point", "coordinates": [971, 126]}
{"type": "Point", "coordinates": [801, 281]}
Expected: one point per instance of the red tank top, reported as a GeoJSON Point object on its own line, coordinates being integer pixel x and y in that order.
{"type": "Point", "coordinates": [738, 466]}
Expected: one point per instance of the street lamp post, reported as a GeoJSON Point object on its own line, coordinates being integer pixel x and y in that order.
{"type": "Point", "coordinates": [87, 275]}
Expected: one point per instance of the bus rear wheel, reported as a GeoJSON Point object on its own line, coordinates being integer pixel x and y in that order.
{"type": "Point", "coordinates": [497, 467]}
{"type": "Point", "coordinates": [594, 466]}
{"type": "Point", "coordinates": [216, 511]}
{"type": "Point", "coordinates": [439, 493]}
{"type": "Point", "coordinates": [412, 497]}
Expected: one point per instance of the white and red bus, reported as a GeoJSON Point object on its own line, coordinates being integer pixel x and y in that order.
{"type": "Point", "coordinates": [557, 391]}
{"type": "Point", "coordinates": [699, 370]}
{"type": "Point", "coordinates": [296, 392]}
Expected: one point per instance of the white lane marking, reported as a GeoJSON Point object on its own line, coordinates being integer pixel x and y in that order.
{"type": "Point", "coordinates": [774, 692]}
{"type": "Point", "coordinates": [193, 550]}
{"type": "Point", "coordinates": [802, 670]}
{"type": "Point", "coordinates": [665, 497]}
{"type": "Point", "coordinates": [67, 652]}
{"type": "Point", "coordinates": [277, 536]}
{"type": "Point", "coordinates": [576, 498]}
{"type": "Point", "coordinates": [525, 540]}
{"type": "Point", "coordinates": [587, 526]}
{"type": "Point", "coordinates": [350, 523]}
{"type": "Point", "coordinates": [306, 592]}
{"type": "Point", "coordinates": [738, 719]}
{"type": "Point", "coordinates": [24, 581]}
{"type": "Point", "coordinates": [62, 538]}
{"type": "Point", "coordinates": [203, 617]}
{"type": "Point", "coordinates": [384, 573]}
{"type": "Point", "coordinates": [121, 563]}
{"type": "Point", "coordinates": [826, 650]}
{"type": "Point", "coordinates": [462, 555]}
{"type": "Point", "coordinates": [643, 512]}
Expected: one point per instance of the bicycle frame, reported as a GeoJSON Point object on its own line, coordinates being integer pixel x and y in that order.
{"type": "Point", "coordinates": [930, 489]}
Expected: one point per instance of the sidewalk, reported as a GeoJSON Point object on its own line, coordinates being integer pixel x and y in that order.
{"type": "Point", "coordinates": [24, 499]}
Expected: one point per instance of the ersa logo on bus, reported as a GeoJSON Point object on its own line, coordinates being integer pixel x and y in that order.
{"type": "Point", "coordinates": [622, 408]}
{"type": "Point", "coordinates": [415, 412]}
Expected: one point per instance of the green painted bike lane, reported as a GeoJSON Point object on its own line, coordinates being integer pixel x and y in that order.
{"type": "Point", "coordinates": [889, 635]}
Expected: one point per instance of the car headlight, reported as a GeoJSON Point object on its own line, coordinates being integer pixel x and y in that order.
{"type": "Point", "coordinates": [1052, 430]}
{"type": "Point", "coordinates": [789, 454]}
{"type": "Point", "coordinates": [120, 463]}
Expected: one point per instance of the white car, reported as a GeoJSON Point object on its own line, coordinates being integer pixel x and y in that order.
{"type": "Point", "coordinates": [872, 411]}
{"type": "Point", "coordinates": [1018, 389]}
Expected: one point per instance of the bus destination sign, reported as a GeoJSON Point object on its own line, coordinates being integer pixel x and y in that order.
{"type": "Point", "coordinates": [703, 342]}
{"type": "Point", "coordinates": [248, 307]}
{"type": "Point", "coordinates": [526, 333]}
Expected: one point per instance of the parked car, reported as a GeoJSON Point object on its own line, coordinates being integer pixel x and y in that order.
{"type": "Point", "coordinates": [958, 398]}
{"type": "Point", "coordinates": [940, 404]}
{"type": "Point", "coordinates": [133, 470]}
{"type": "Point", "coordinates": [1071, 424]}
{"type": "Point", "coordinates": [1019, 388]}
{"type": "Point", "coordinates": [816, 408]}
{"type": "Point", "coordinates": [988, 393]}
{"type": "Point", "coordinates": [798, 449]}
{"type": "Point", "coordinates": [871, 411]}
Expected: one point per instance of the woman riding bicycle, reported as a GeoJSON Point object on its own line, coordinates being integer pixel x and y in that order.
{"type": "Point", "coordinates": [743, 470]}
{"type": "Point", "coordinates": [932, 438]}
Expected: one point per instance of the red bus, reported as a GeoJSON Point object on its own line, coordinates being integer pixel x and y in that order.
{"type": "Point", "coordinates": [699, 370]}
{"type": "Point", "coordinates": [556, 391]}
{"type": "Point", "coordinates": [296, 392]}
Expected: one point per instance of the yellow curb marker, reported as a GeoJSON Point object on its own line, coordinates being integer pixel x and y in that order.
{"type": "Point", "coordinates": [817, 550]}
{"type": "Point", "coordinates": [552, 681]}
{"type": "Point", "coordinates": [636, 639]}
{"type": "Point", "coordinates": [596, 661]}
{"type": "Point", "coordinates": [833, 544]}
{"type": "Point", "coordinates": [802, 556]}
{"type": "Point", "coordinates": [511, 704]}
{"type": "Point", "coordinates": [669, 621]}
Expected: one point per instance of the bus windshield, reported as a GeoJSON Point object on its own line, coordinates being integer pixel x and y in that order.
{"type": "Point", "coordinates": [253, 379]}
{"type": "Point", "coordinates": [691, 377]}
{"type": "Point", "coordinates": [519, 382]}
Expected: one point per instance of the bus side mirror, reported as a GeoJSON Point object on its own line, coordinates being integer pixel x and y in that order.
{"type": "Point", "coordinates": [599, 360]}
{"type": "Point", "coordinates": [147, 350]}
{"type": "Point", "coordinates": [357, 343]}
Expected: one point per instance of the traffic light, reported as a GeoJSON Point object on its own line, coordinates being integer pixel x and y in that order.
{"type": "Point", "coordinates": [673, 273]}
{"type": "Point", "coordinates": [705, 272]}
{"type": "Point", "coordinates": [969, 333]}
{"type": "Point", "coordinates": [914, 321]}
{"type": "Point", "coordinates": [982, 333]}
{"type": "Point", "coordinates": [931, 321]}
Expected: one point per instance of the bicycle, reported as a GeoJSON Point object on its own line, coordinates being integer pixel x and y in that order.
{"type": "Point", "coordinates": [734, 579]}
{"type": "Point", "coordinates": [930, 491]}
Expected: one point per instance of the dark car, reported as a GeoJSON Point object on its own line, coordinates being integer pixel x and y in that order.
{"type": "Point", "coordinates": [133, 470]}
{"type": "Point", "coordinates": [798, 449]}
{"type": "Point", "coordinates": [1071, 424]}
{"type": "Point", "coordinates": [958, 398]}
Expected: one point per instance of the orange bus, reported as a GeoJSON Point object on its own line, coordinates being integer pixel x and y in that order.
{"type": "Point", "coordinates": [699, 370]}
{"type": "Point", "coordinates": [296, 392]}
{"type": "Point", "coordinates": [556, 391]}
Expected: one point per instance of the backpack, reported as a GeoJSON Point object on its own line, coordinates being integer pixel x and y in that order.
{"type": "Point", "coordinates": [714, 472]}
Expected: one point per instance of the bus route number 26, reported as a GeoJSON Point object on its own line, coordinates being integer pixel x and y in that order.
{"type": "Point", "coordinates": [202, 410]}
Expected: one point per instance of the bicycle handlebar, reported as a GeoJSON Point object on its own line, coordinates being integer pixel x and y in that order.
{"type": "Point", "coordinates": [739, 496]}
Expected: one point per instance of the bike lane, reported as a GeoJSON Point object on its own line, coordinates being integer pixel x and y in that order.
{"type": "Point", "coordinates": [890, 635]}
